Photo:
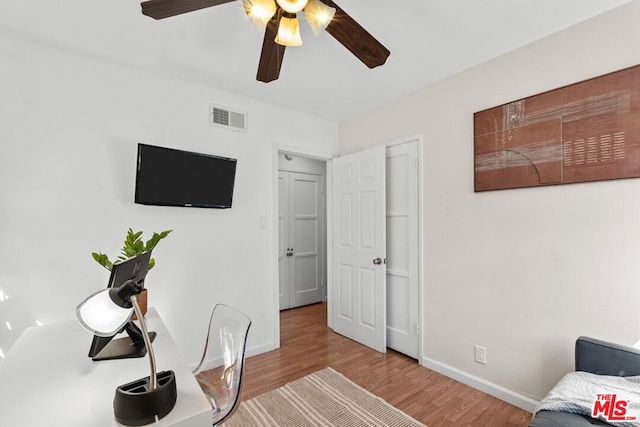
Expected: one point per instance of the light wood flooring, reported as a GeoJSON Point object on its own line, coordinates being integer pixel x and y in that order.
{"type": "Point", "coordinates": [307, 345]}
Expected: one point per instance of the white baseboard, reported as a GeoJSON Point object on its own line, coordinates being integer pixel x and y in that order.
{"type": "Point", "coordinates": [253, 351]}
{"type": "Point", "coordinates": [509, 396]}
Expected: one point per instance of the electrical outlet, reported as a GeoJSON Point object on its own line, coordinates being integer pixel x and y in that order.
{"type": "Point", "coordinates": [481, 354]}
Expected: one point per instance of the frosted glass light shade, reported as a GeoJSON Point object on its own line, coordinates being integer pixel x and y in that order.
{"type": "Point", "coordinates": [259, 11]}
{"type": "Point", "coordinates": [288, 32]}
{"type": "Point", "coordinates": [318, 15]}
{"type": "Point", "coordinates": [99, 315]}
{"type": "Point", "coordinates": [292, 6]}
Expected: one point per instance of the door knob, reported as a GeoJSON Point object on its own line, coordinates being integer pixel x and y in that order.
{"type": "Point", "coordinates": [377, 261]}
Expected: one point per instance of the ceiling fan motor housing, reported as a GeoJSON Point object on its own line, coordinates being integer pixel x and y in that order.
{"type": "Point", "coordinates": [292, 6]}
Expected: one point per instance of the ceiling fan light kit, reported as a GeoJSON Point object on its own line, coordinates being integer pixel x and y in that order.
{"type": "Point", "coordinates": [259, 11]}
{"type": "Point", "coordinates": [282, 28]}
{"type": "Point", "coordinates": [318, 15]}
{"type": "Point", "coordinates": [289, 31]}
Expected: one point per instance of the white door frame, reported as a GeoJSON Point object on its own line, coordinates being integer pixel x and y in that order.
{"type": "Point", "coordinates": [277, 148]}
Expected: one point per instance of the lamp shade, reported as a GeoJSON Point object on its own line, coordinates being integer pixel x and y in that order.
{"type": "Point", "coordinates": [288, 31]}
{"type": "Point", "coordinates": [318, 15]}
{"type": "Point", "coordinates": [259, 11]}
{"type": "Point", "coordinates": [99, 314]}
{"type": "Point", "coordinates": [292, 6]}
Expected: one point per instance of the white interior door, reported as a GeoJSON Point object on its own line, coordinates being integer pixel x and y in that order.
{"type": "Point", "coordinates": [305, 237]}
{"type": "Point", "coordinates": [403, 249]}
{"type": "Point", "coordinates": [359, 247]}
{"type": "Point", "coordinates": [300, 239]}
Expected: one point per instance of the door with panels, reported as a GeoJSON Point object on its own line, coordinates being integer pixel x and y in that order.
{"type": "Point", "coordinates": [375, 218]}
{"type": "Point", "coordinates": [300, 226]}
{"type": "Point", "coordinates": [403, 248]}
{"type": "Point", "coordinates": [359, 247]}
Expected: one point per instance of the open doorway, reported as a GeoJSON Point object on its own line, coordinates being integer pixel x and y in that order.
{"type": "Point", "coordinates": [403, 219]}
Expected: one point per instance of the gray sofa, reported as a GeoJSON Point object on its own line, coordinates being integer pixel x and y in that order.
{"type": "Point", "coordinates": [597, 357]}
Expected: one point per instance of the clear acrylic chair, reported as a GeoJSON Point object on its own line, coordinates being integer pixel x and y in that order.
{"type": "Point", "coordinates": [224, 350]}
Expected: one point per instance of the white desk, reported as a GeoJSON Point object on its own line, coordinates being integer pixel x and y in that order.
{"type": "Point", "coordinates": [47, 379]}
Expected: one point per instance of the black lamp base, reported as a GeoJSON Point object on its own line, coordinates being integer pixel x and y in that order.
{"type": "Point", "coordinates": [123, 348]}
{"type": "Point", "coordinates": [135, 404]}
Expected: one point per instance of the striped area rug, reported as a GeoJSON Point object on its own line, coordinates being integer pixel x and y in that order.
{"type": "Point", "coordinates": [324, 398]}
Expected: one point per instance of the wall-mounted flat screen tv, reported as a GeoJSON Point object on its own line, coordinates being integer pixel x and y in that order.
{"type": "Point", "coordinates": [170, 177]}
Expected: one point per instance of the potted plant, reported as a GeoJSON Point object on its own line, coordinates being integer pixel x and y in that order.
{"type": "Point", "coordinates": [133, 245]}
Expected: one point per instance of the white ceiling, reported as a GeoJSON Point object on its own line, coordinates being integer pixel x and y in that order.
{"type": "Point", "coordinates": [428, 40]}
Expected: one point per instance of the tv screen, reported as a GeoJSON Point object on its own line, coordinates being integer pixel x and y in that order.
{"type": "Point", "coordinates": [170, 177]}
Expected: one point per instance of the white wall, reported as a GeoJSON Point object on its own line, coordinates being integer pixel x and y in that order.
{"type": "Point", "coordinates": [69, 128]}
{"type": "Point", "coordinates": [521, 272]}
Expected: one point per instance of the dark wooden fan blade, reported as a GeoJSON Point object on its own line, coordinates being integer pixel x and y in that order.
{"type": "Point", "coordinates": [355, 38]}
{"type": "Point", "coordinates": [159, 9]}
{"type": "Point", "coordinates": [272, 53]}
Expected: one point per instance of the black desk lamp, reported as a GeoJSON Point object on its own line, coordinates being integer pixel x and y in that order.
{"type": "Point", "coordinates": [104, 314]}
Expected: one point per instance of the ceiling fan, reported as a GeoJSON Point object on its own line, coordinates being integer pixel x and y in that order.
{"type": "Point", "coordinates": [280, 19]}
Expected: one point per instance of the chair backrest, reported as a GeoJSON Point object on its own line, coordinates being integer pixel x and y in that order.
{"type": "Point", "coordinates": [224, 358]}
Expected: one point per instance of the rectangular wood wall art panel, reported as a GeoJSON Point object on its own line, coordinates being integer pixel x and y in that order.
{"type": "Point", "coordinates": [588, 131]}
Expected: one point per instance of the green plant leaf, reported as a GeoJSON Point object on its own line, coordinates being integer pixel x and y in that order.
{"type": "Point", "coordinates": [133, 245]}
{"type": "Point", "coordinates": [103, 260]}
{"type": "Point", "coordinates": [132, 237]}
{"type": "Point", "coordinates": [153, 241]}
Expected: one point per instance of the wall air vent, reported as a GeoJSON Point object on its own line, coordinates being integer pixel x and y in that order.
{"type": "Point", "coordinates": [226, 118]}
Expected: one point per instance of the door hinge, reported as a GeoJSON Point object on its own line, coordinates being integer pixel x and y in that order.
{"type": "Point", "coordinates": [417, 328]}
{"type": "Point", "coordinates": [417, 163]}
{"type": "Point", "coordinates": [322, 189]}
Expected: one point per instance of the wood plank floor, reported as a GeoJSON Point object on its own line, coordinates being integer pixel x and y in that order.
{"type": "Point", "coordinates": [307, 345]}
